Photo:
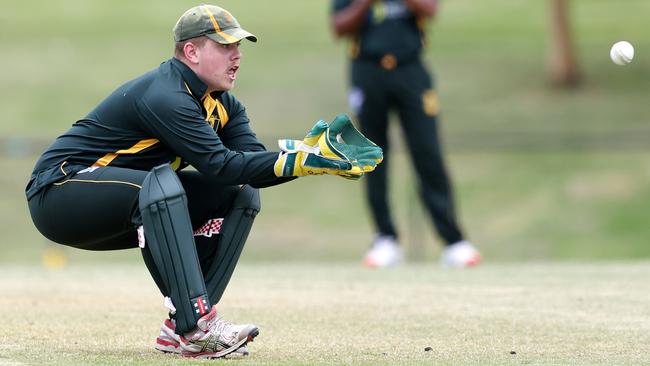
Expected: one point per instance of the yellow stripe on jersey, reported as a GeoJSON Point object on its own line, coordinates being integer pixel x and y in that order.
{"type": "Point", "coordinates": [222, 113]}
{"type": "Point", "coordinates": [210, 104]}
{"type": "Point", "coordinates": [176, 163]}
{"type": "Point", "coordinates": [139, 146]}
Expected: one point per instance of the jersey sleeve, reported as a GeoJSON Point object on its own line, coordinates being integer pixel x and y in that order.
{"type": "Point", "coordinates": [181, 127]}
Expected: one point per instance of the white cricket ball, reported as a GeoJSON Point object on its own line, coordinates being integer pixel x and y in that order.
{"type": "Point", "coordinates": [622, 53]}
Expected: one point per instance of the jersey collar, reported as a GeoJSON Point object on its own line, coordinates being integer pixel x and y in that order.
{"type": "Point", "coordinates": [197, 87]}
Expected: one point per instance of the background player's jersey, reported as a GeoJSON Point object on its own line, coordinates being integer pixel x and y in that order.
{"type": "Point", "coordinates": [389, 28]}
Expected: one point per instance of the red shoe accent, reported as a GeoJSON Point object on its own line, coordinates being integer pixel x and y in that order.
{"type": "Point", "coordinates": [170, 324]}
{"type": "Point", "coordinates": [474, 261]}
{"type": "Point", "coordinates": [369, 263]}
{"type": "Point", "coordinates": [166, 343]}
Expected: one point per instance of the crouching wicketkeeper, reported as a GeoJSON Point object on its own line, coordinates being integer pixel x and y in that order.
{"type": "Point", "coordinates": [115, 180]}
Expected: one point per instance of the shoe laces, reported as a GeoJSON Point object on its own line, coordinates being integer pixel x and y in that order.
{"type": "Point", "coordinates": [223, 328]}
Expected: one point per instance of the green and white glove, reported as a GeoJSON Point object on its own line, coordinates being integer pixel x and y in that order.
{"type": "Point", "coordinates": [342, 139]}
{"type": "Point", "coordinates": [301, 158]}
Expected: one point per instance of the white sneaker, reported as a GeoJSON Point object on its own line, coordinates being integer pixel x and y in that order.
{"type": "Point", "coordinates": [170, 342]}
{"type": "Point", "coordinates": [461, 254]}
{"type": "Point", "coordinates": [385, 252]}
{"type": "Point", "coordinates": [214, 337]}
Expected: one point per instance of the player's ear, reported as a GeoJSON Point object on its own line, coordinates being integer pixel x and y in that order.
{"type": "Point", "coordinates": [191, 52]}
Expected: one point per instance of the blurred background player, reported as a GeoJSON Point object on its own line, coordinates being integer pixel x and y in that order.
{"type": "Point", "coordinates": [387, 72]}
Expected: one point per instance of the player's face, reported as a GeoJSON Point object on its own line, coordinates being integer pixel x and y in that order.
{"type": "Point", "coordinates": [218, 65]}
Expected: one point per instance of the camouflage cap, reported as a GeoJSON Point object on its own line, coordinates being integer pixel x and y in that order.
{"type": "Point", "coordinates": [210, 21]}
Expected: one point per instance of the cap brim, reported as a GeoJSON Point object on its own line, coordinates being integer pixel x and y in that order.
{"type": "Point", "coordinates": [231, 35]}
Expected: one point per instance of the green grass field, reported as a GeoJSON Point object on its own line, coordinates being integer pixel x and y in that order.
{"type": "Point", "coordinates": [336, 314]}
{"type": "Point", "coordinates": [552, 185]}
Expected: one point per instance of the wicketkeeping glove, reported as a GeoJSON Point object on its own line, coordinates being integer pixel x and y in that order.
{"type": "Point", "coordinates": [342, 139]}
{"type": "Point", "coordinates": [304, 157]}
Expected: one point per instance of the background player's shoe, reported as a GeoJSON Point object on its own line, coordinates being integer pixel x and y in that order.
{"type": "Point", "coordinates": [384, 252]}
{"type": "Point", "coordinates": [460, 255]}
{"type": "Point", "coordinates": [214, 337]}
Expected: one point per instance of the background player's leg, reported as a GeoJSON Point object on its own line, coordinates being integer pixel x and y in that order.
{"type": "Point", "coordinates": [418, 110]}
{"type": "Point", "coordinates": [369, 100]}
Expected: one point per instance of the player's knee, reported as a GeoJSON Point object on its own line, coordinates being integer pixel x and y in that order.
{"type": "Point", "coordinates": [248, 198]}
{"type": "Point", "coordinates": [161, 184]}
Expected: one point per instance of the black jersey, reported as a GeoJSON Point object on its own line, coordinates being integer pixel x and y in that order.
{"type": "Point", "coordinates": [163, 116]}
{"type": "Point", "coordinates": [389, 28]}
